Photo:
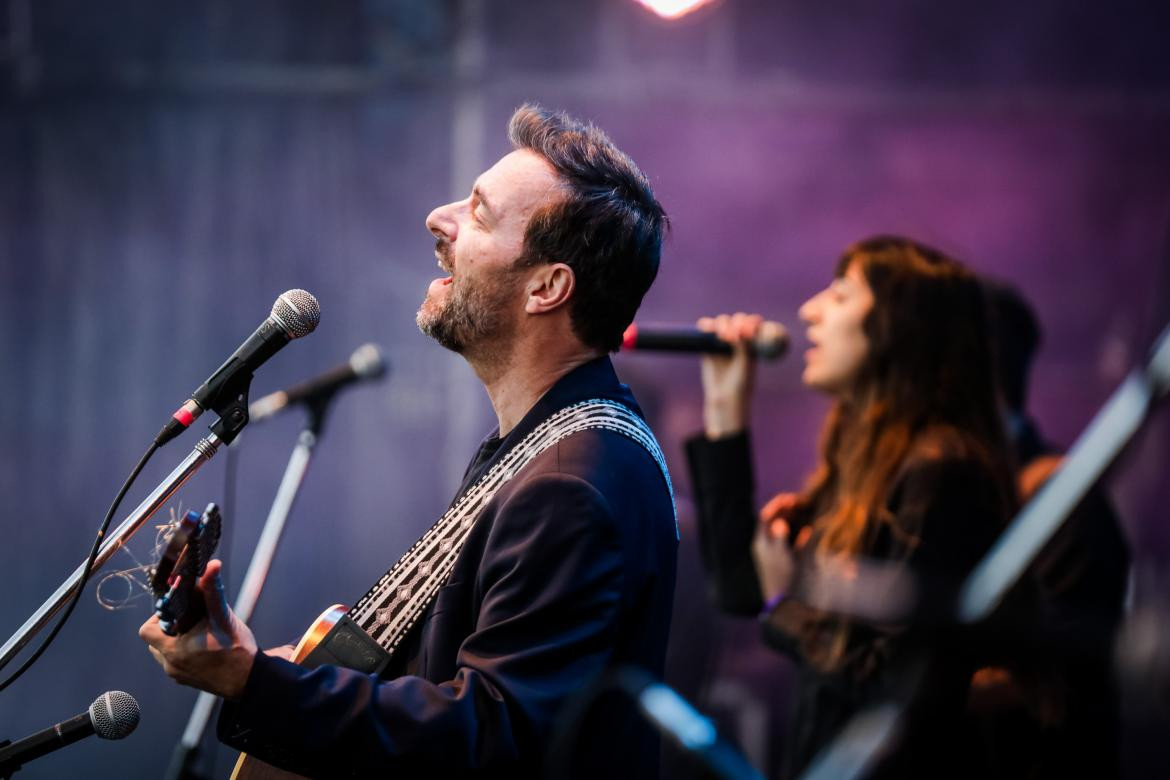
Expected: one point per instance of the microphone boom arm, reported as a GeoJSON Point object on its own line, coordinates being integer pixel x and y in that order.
{"type": "Point", "coordinates": [232, 407]}
{"type": "Point", "coordinates": [203, 451]}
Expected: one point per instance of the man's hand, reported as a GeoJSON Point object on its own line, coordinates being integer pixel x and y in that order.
{"type": "Point", "coordinates": [216, 654]}
{"type": "Point", "coordinates": [285, 652]}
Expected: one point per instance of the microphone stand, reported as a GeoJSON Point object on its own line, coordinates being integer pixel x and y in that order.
{"type": "Point", "coordinates": [187, 750]}
{"type": "Point", "coordinates": [233, 416]}
{"type": "Point", "coordinates": [660, 706]}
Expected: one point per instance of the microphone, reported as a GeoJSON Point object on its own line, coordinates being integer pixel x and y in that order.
{"type": "Point", "coordinates": [113, 715]}
{"type": "Point", "coordinates": [365, 364]}
{"type": "Point", "coordinates": [294, 314]}
{"type": "Point", "coordinates": [770, 343]}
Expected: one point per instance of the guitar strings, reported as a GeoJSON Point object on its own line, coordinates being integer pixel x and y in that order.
{"type": "Point", "coordinates": [127, 588]}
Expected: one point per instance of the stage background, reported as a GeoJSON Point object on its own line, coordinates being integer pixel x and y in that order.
{"type": "Point", "coordinates": [168, 168]}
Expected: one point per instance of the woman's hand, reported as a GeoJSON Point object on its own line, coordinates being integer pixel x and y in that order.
{"type": "Point", "coordinates": [728, 381]}
{"type": "Point", "coordinates": [773, 557]}
{"type": "Point", "coordinates": [772, 550]}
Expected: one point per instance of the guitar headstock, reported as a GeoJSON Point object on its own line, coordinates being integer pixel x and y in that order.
{"type": "Point", "coordinates": [186, 554]}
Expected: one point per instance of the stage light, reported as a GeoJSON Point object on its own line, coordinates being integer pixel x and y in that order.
{"type": "Point", "coordinates": [673, 9]}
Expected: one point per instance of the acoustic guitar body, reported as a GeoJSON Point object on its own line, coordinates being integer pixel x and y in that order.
{"type": "Point", "coordinates": [249, 768]}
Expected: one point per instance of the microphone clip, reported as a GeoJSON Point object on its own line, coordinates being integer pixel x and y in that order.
{"type": "Point", "coordinates": [231, 404]}
{"type": "Point", "coordinates": [316, 407]}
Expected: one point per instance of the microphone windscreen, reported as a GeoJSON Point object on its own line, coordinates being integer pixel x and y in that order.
{"type": "Point", "coordinates": [114, 714]}
{"type": "Point", "coordinates": [772, 341]}
{"type": "Point", "coordinates": [297, 312]}
{"type": "Point", "coordinates": [367, 362]}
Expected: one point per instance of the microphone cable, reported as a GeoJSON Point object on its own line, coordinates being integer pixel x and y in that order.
{"type": "Point", "coordinates": [93, 553]}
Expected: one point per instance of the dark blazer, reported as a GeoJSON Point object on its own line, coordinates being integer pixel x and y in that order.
{"type": "Point", "coordinates": [569, 570]}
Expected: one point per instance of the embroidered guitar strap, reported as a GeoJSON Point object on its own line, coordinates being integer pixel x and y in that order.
{"type": "Point", "coordinates": [401, 597]}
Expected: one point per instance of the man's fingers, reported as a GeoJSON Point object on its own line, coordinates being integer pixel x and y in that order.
{"type": "Point", "coordinates": [284, 651]}
{"type": "Point", "coordinates": [150, 632]}
{"type": "Point", "coordinates": [168, 667]}
{"type": "Point", "coordinates": [219, 613]}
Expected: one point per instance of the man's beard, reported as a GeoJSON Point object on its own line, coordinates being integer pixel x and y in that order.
{"type": "Point", "coordinates": [475, 318]}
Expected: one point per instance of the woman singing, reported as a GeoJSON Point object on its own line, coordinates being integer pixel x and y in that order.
{"type": "Point", "coordinates": [913, 485]}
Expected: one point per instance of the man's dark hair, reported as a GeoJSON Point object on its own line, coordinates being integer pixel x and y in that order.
{"type": "Point", "coordinates": [608, 228]}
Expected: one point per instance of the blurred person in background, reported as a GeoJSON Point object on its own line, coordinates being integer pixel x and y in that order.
{"type": "Point", "coordinates": [914, 479]}
{"type": "Point", "coordinates": [1056, 714]}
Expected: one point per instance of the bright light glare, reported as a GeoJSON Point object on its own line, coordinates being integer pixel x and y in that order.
{"type": "Point", "coordinates": [673, 9]}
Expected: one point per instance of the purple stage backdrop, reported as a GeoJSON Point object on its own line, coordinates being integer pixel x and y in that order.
{"type": "Point", "coordinates": [166, 172]}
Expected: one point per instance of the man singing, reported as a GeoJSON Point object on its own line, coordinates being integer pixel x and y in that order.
{"type": "Point", "coordinates": [555, 560]}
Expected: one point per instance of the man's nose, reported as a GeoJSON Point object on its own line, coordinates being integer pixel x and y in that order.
{"type": "Point", "coordinates": [441, 222]}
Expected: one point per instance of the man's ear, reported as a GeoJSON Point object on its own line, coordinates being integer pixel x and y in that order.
{"type": "Point", "coordinates": [550, 287]}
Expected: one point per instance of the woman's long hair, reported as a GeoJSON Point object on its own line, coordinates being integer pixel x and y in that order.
{"type": "Point", "coordinates": [929, 369]}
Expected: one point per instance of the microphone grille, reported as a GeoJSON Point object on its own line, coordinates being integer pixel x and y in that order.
{"type": "Point", "coordinates": [367, 362]}
{"type": "Point", "coordinates": [297, 312]}
{"type": "Point", "coordinates": [772, 341]}
{"type": "Point", "coordinates": [114, 714]}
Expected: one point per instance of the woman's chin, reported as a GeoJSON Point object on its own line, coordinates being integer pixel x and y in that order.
{"type": "Point", "coordinates": [815, 380]}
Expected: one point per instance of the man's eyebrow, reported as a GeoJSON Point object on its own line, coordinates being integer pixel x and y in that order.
{"type": "Point", "coordinates": [477, 192]}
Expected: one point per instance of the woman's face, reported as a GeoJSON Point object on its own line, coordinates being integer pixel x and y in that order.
{"type": "Point", "coordinates": [834, 318]}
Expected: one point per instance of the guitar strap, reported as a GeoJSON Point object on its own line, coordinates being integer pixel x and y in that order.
{"type": "Point", "coordinates": [388, 612]}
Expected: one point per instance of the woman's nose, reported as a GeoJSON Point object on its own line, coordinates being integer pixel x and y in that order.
{"type": "Point", "coordinates": [809, 309]}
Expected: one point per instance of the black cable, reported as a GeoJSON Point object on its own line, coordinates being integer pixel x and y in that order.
{"type": "Point", "coordinates": [93, 553]}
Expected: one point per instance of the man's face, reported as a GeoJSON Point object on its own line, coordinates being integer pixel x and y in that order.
{"type": "Point", "coordinates": [479, 240]}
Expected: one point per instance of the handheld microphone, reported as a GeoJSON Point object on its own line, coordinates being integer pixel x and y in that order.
{"type": "Point", "coordinates": [366, 363]}
{"type": "Point", "coordinates": [770, 343]}
{"type": "Point", "coordinates": [294, 314]}
{"type": "Point", "coordinates": [113, 715]}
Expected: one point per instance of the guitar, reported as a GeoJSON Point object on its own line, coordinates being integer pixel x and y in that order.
{"type": "Point", "coordinates": [188, 549]}
{"type": "Point", "coordinates": [250, 768]}
{"type": "Point", "coordinates": [332, 638]}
